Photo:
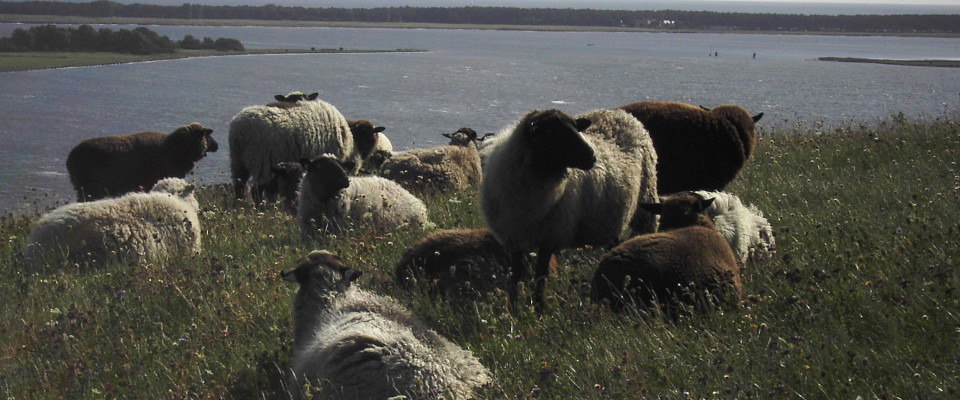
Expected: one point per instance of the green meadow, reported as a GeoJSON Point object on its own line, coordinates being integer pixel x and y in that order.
{"type": "Point", "coordinates": [859, 301]}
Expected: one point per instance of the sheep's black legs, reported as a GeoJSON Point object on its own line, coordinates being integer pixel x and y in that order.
{"type": "Point", "coordinates": [518, 273]}
{"type": "Point", "coordinates": [541, 272]}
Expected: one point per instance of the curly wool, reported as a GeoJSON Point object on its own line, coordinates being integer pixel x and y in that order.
{"type": "Point", "coordinates": [743, 226]}
{"type": "Point", "coordinates": [441, 168]}
{"type": "Point", "coordinates": [359, 345]}
{"type": "Point", "coordinates": [137, 227]}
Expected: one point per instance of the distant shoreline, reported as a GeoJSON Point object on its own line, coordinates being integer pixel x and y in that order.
{"type": "Point", "coordinates": [910, 63]}
{"type": "Point", "coordinates": [58, 19]}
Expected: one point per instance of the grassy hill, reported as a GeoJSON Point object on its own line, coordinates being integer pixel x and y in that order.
{"type": "Point", "coordinates": [860, 300]}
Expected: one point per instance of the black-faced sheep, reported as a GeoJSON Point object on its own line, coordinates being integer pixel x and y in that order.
{"type": "Point", "coordinates": [152, 226]}
{"type": "Point", "coordinates": [113, 165]}
{"type": "Point", "coordinates": [367, 139]}
{"type": "Point", "coordinates": [291, 99]}
{"type": "Point", "coordinates": [687, 262]}
{"type": "Point", "coordinates": [457, 260]}
{"type": "Point", "coordinates": [440, 168]}
{"type": "Point", "coordinates": [262, 136]}
{"type": "Point", "coordinates": [697, 148]}
{"type": "Point", "coordinates": [330, 201]}
{"type": "Point", "coordinates": [285, 183]}
{"type": "Point", "coordinates": [547, 187]}
{"type": "Point", "coordinates": [353, 344]}
{"type": "Point", "coordinates": [742, 226]}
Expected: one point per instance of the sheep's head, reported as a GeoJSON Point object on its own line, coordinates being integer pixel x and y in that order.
{"type": "Point", "coordinates": [680, 210]}
{"type": "Point", "coordinates": [194, 141]}
{"type": "Point", "coordinates": [296, 96]}
{"type": "Point", "coordinates": [462, 137]}
{"type": "Point", "coordinates": [365, 136]}
{"type": "Point", "coordinates": [287, 175]}
{"type": "Point", "coordinates": [321, 272]}
{"type": "Point", "coordinates": [326, 176]}
{"type": "Point", "coordinates": [174, 186]}
{"type": "Point", "coordinates": [554, 142]}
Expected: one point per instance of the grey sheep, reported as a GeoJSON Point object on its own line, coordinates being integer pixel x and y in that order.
{"type": "Point", "coordinates": [686, 263]}
{"type": "Point", "coordinates": [113, 165]}
{"type": "Point", "coordinates": [697, 148]}
{"type": "Point", "coordinates": [548, 187]}
{"type": "Point", "coordinates": [353, 344]}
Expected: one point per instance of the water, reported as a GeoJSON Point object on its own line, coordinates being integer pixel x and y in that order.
{"type": "Point", "coordinates": [481, 79]}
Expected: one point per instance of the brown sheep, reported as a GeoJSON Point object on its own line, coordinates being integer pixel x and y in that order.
{"type": "Point", "coordinates": [687, 262]}
{"type": "Point", "coordinates": [697, 148]}
{"type": "Point", "coordinates": [440, 168]}
{"type": "Point", "coordinates": [457, 259]}
{"type": "Point", "coordinates": [114, 165]}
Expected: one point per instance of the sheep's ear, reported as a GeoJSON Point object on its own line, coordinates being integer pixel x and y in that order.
{"type": "Point", "coordinates": [757, 117]}
{"type": "Point", "coordinates": [349, 276]}
{"type": "Point", "coordinates": [207, 131]}
{"type": "Point", "coordinates": [652, 208]}
{"type": "Point", "coordinates": [704, 204]}
{"type": "Point", "coordinates": [289, 276]}
{"type": "Point", "coordinates": [379, 129]}
{"type": "Point", "coordinates": [447, 135]}
{"type": "Point", "coordinates": [704, 108]}
{"type": "Point", "coordinates": [313, 96]}
{"type": "Point", "coordinates": [189, 189]}
{"type": "Point", "coordinates": [583, 124]}
{"type": "Point", "coordinates": [280, 97]}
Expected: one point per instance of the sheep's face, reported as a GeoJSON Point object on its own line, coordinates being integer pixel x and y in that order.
{"type": "Point", "coordinates": [327, 177]}
{"type": "Point", "coordinates": [288, 176]}
{"type": "Point", "coordinates": [365, 136]}
{"type": "Point", "coordinates": [462, 137]}
{"type": "Point", "coordinates": [321, 272]}
{"type": "Point", "coordinates": [194, 141]}
{"type": "Point", "coordinates": [680, 210]}
{"type": "Point", "coordinates": [555, 142]}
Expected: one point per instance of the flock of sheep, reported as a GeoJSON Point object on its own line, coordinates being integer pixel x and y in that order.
{"type": "Point", "coordinates": [642, 180]}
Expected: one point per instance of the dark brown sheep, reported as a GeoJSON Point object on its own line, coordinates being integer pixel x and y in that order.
{"type": "Point", "coordinates": [697, 148]}
{"type": "Point", "coordinates": [114, 165]}
{"type": "Point", "coordinates": [286, 184]}
{"type": "Point", "coordinates": [686, 263]}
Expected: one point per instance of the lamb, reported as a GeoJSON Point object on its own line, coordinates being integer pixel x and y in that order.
{"type": "Point", "coordinates": [686, 263]}
{"type": "Point", "coordinates": [441, 168]}
{"type": "Point", "coordinates": [457, 260]}
{"type": "Point", "coordinates": [262, 136]}
{"type": "Point", "coordinates": [367, 139]}
{"type": "Point", "coordinates": [697, 148]}
{"type": "Point", "coordinates": [743, 226]}
{"type": "Point", "coordinates": [113, 165]}
{"type": "Point", "coordinates": [548, 187]}
{"type": "Point", "coordinates": [330, 200]}
{"type": "Point", "coordinates": [148, 227]}
{"type": "Point", "coordinates": [353, 344]}
{"type": "Point", "coordinates": [285, 183]}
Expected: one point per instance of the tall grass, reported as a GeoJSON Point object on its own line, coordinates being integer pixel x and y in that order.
{"type": "Point", "coordinates": [859, 301]}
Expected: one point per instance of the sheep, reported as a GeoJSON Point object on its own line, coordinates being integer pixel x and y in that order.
{"type": "Point", "coordinates": [262, 136]}
{"type": "Point", "coordinates": [353, 344]}
{"type": "Point", "coordinates": [743, 226]}
{"type": "Point", "coordinates": [697, 148]}
{"type": "Point", "coordinates": [154, 226]}
{"type": "Point", "coordinates": [440, 168]}
{"type": "Point", "coordinates": [487, 143]}
{"type": "Point", "coordinates": [548, 187]}
{"type": "Point", "coordinates": [292, 99]}
{"type": "Point", "coordinates": [367, 139]}
{"type": "Point", "coordinates": [457, 259]}
{"type": "Point", "coordinates": [686, 263]}
{"type": "Point", "coordinates": [285, 183]}
{"type": "Point", "coordinates": [113, 165]}
{"type": "Point", "coordinates": [329, 200]}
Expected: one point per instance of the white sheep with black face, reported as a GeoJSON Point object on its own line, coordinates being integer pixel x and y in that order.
{"type": "Point", "coordinates": [330, 200]}
{"type": "Point", "coordinates": [441, 168]}
{"type": "Point", "coordinates": [155, 226]}
{"type": "Point", "coordinates": [359, 345]}
{"type": "Point", "coordinates": [547, 186]}
{"type": "Point", "coordinates": [743, 226]}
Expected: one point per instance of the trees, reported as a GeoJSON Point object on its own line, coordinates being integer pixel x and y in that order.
{"type": "Point", "coordinates": [140, 40]}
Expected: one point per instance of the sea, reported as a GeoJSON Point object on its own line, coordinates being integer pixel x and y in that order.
{"type": "Point", "coordinates": [483, 79]}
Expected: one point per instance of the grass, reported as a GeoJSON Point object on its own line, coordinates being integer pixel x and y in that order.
{"type": "Point", "coordinates": [859, 301]}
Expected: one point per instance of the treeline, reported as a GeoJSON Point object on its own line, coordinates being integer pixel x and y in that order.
{"type": "Point", "coordinates": [663, 19]}
{"type": "Point", "coordinates": [85, 38]}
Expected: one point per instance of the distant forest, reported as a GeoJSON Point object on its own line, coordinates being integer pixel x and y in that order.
{"type": "Point", "coordinates": [140, 40]}
{"type": "Point", "coordinates": [661, 19]}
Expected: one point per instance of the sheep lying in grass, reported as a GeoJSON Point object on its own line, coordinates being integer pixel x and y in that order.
{"type": "Point", "coordinates": [486, 145]}
{"type": "Point", "coordinates": [357, 345]}
{"type": "Point", "coordinates": [367, 139]}
{"type": "Point", "coordinates": [285, 183]}
{"type": "Point", "coordinates": [441, 168]}
{"type": "Point", "coordinates": [114, 165]}
{"type": "Point", "coordinates": [155, 226]}
{"type": "Point", "coordinates": [548, 187]}
{"type": "Point", "coordinates": [262, 136]}
{"type": "Point", "coordinates": [687, 262]}
{"type": "Point", "coordinates": [743, 226]}
{"type": "Point", "coordinates": [697, 148]}
{"type": "Point", "coordinates": [330, 201]}
{"type": "Point", "coordinates": [457, 260]}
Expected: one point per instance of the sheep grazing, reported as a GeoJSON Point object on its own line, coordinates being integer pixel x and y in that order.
{"type": "Point", "coordinates": [262, 136]}
{"type": "Point", "coordinates": [547, 187]}
{"type": "Point", "coordinates": [457, 260]}
{"type": "Point", "coordinates": [440, 168]}
{"type": "Point", "coordinates": [367, 139]}
{"type": "Point", "coordinates": [113, 165]}
{"type": "Point", "coordinates": [154, 226]}
{"type": "Point", "coordinates": [352, 344]}
{"type": "Point", "coordinates": [686, 263]}
{"type": "Point", "coordinates": [743, 226]}
{"type": "Point", "coordinates": [330, 201]}
{"type": "Point", "coordinates": [697, 148]}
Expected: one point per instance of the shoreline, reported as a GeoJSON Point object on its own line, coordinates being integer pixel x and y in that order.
{"type": "Point", "coordinates": [906, 63]}
{"type": "Point", "coordinates": [58, 19]}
